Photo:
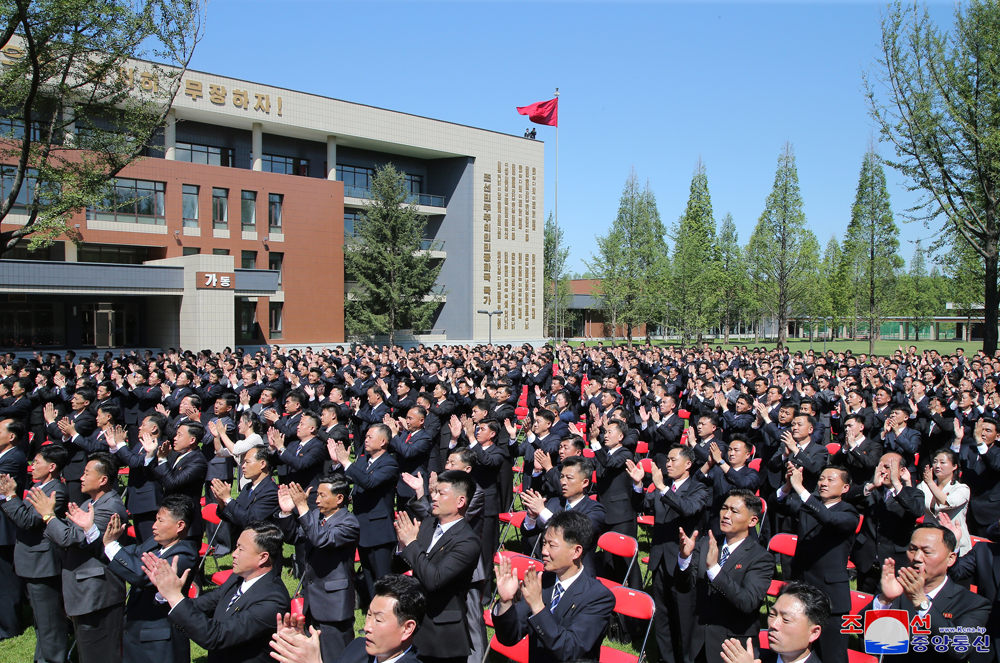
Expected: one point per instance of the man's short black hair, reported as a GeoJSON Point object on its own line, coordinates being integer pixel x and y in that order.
{"type": "Point", "coordinates": [338, 484]}
{"type": "Point", "coordinates": [106, 465]}
{"type": "Point", "coordinates": [750, 501]}
{"type": "Point", "coordinates": [461, 481]}
{"type": "Point", "coordinates": [583, 464]}
{"type": "Point", "coordinates": [180, 507]}
{"type": "Point", "coordinates": [946, 534]}
{"type": "Point", "coordinates": [55, 454]}
{"type": "Point", "coordinates": [410, 600]}
{"type": "Point", "coordinates": [465, 454]}
{"type": "Point", "coordinates": [195, 428]}
{"type": "Point", "coordinates": [268, 538]}
{"type": "Point", "coordinates": [815, 602]}
{"type": "Point", "coordinates": [112, 411]}
{"type": "Point", "coordinates": [575, 527]}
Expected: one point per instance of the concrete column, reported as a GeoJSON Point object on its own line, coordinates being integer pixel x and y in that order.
{"type": "Point", "coordinates": [331, 157]}
{"type": "Point", "coordinates": [70, 249]}
{"type": "Point", "coordinates": [69, 135]}
{"type": "Point", "coordinates": [170, 137]}
{"type": "Point", "coordinates": [257, 155]}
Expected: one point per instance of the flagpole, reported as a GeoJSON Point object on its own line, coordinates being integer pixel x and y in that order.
{"type": "Point", "coordinates": [556, 275]}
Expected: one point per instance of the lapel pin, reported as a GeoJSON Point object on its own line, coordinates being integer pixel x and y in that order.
{"type": "Point", "coordinates": [946, 615]}
{"type": "Point", "coordinates": [739, 566]}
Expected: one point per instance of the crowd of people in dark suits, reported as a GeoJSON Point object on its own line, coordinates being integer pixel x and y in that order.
{"type": "Point", "coordinates": [707, 504]}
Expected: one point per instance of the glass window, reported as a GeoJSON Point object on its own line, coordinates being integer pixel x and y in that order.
{"type": "Point", "coordinates": [25, 194]}
{"type": "Point", "coordinates": [220, 209]}
{"type": "Point", "coordinates": [414, 183]}
{"type": "Point", "coordinates": [29, 325]}
{"type": "Point", "coordinates": [274, 262]}
{"type": "Point", "coordinates": [355, 176]}
{"type": "Point", "coordinates": [13, 129]}
{"type": "Point", "coordinates": [213, 156]}
{"type": "Point", "coordinates": [248, 319]}
{"type": "Point", "coordinates": [220, 252]}
{"type": "Point", "coordinates": [132, 201]}
{"type": "Point", "coordinates": [275, 319]}
{"type": "Point", "coordinates": [191, 250]}
{"type": "Point", "coordinates": [190, 206]}
{"type": "Point", "coordinates": [121, 255]}
{"type": "Point", "coordinates": [350, 222]}
{"type": "Point", "coordinates": [271, 163]}
{"type": "Point", "coordinates": [248, 260]}
{"type": "Point", "coordinates": [274, 201]}
{"type": "Point", "coordinates": [248, 210]}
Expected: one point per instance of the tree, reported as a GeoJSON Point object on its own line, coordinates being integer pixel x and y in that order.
{"type": "Point", "coordinates": [694, 282]}
{"type": "Point", "coordinates": [919, 298]}
{"type": "Point", "coordinates": [781, 251]}
{"type": "Point", "coordinates": [964, 269]}
{"type": "Point", "coordinates": [871, 246]}
{"type": "Point", "coordinates": [941, 103]}
{"type": "Point", "coordinates": [77, 106]}
{"type": "Point", "coordinates": [626, 257]}
{"type": "Point", "coordinates": [832, 300]}
{"type": "Point", "coordinates": [731, 283]}
{"type": "Point", "coordinates": [394, 277]}
{"type": "Point", "coordinates": [555, 272]}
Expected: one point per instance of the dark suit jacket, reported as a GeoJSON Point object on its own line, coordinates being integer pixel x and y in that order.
{"type": "Point", "coordinates": [143, 495]}
{"type": "Point", "coordinates": [981, 565]}
{"type": "Point", "coordinates": [573, 632]}
{"type": "Point", "coordinates": [219, 467]}
{"type": "Point", "coordinates": [905, 444]}
{"type": "Point", "coordinates": [355, 653]}
{"type": "Point", "coordinates": [729, 605]}
{"type": "Point", "coordinates": [304, 466]}
{"type": "Point", "coordinates": [261, 503]}
{"type": "Point", "coordinates": [147, 629]}
{"type": "Point", "coordinates": [87, 585]}
{"type": "Point", "coordinates": [614, 485]}
{"type": "Point", "coordinates": [34, 555]}
{"type": "Point", "coordinates": [812, 460]}
{"type": "Point", "coordinates": [826, 535]}
{"type": "Point", "coordinates": [860, 461]}
{"type": "Point", "coordinates": [664, 435]}
{"type": "Point", "coordinates": [982, 474]}
{"type": "Point", "coordinates": [14, 464]}
{"type": "Point", "coordinates": [173, 401]}
{"type": "Point", "coordinates": [188, 478]}
{"type": "Point", "coordinates": [327, 584]}
{"type": "Point", "coordinates": [241, 634]}
{"type": "Point", "coordinates": [486, 472]}
{"type": "Point", "coordinates": [445, 572]}
{"type": "Point", "coordinates": [887, 527]}
{"type": "Point", "coordinates": [953, 606]}
{"type": "Point", "coordinates": [364, 418]}
{"type": "Point", "coordinates": [686, 508]}
{"type": "Point", "coordinates": [593, 509]}
{"type": "Point", "coordinates": [374, 498]}
{"type": "Point", "coordinates": [412, 452]}
{"type": "Point", "coordinates": [85, 425]}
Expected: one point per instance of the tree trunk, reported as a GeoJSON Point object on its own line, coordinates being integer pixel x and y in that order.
{"type": "Point", "coordinates": [871, 338]}
{"type": "Point", "coordinates": [990, 304]}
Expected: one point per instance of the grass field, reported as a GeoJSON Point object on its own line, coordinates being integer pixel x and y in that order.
{"type": "Point", "coordinates": [857, 347]}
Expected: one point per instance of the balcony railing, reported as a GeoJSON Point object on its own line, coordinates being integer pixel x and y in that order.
{"type": "Point", "coordinates": [425, 244]}
{"type": "Point", "coordinates": [351, 191]}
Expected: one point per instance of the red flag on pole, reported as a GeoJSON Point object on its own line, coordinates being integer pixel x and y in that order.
{"type": "Point", "coordinates": [543, 112]}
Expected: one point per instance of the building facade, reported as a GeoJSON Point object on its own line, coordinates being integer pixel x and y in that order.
{"type": "Point", "coordinates": [258, 186]}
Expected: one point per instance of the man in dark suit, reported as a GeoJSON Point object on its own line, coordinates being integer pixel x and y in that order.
{"type": "Point", "coordinates": [921, 587]}
{"type": "Point", "coordinates": [143, 496]}
{"type": "Point", "coordinates": [981, 566]}
{"type": "Point", "coordinates": [826, 528]}
{"type": "Point", "coordinates": [614, 492]}
{"type": "Point", "coordinates": [13, 465]}
{"type": "Point", "coordinates": [148, 634]}
{"type": "Point", "coordinates": [257, 501]}
{"type": "Point", "coordinates": [794, 624]}
{"type": "Point", "coordinates": [84, 423]}
{"type": "Point", "coordinates": [723, 472]}
{"type": "Point", "coordinates": [489, 460]}
{"type": "Point", "coordinates": [235, 622]}
{"type": "Point", "coordinates": [575, 478]}
{"type": "Point", "coordinates": [679, 502]}
{"type": "Point", "coordinates": [442, 407]}
{"type": "Point", "coordinates": [891, 509]}
{"type": "Point", "coordinates": [799, 449]}
{"type": "Point", "coordinates": [443, 551]}
{"type": "Point", "coordinates": [981, 471]}
{"type": "Point", "coordinates": [93, 598]}
{"type": "Point", "coordinates": [37, 559]}
{"type": "Point", "coordinates": [858, 452]}
{"type": "Point", "coordinates": [303, 456]}
{"type": "Point", "coordinates": [730, 580]}
{"type": "Point", "coordinates": [411, 446]}
{"type": "Point", "coordinates": [898, 437]}
{"type": "Point", "coordinates": [364, 417]}
{"type": "Point", "coordinates": [565, 611]}
{"type": "Point", "coordinates": [374, 475]}
{"type": "Point", "coordinates": [179, 467]}
{"type": "Point", "coordinates": [665, 429]}
{"type": "Point", "coordinates": [331, 429]}
{"type": "Point", "coordinates": [328, 533]}
{"type": "Point", "coordinates": [171, 398]}
{"type": "Point", "coordinates": [396, 613]}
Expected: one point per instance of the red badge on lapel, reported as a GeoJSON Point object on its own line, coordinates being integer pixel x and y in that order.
{"type": "Point", "coordinates": [946, 615]}
{"type": "Point", "coordinates": [738, 566]}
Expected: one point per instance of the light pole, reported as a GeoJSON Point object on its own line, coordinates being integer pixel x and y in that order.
{"type": "Point", "coordinates": [491, 314]}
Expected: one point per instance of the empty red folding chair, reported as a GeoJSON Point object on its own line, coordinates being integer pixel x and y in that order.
{"type": "Point", "coordinates": [518, 653]}
{"type": "Point", "coordinates": [221, 577]}
{"type": "Point", "coordinates": [755, 464]}
{"type": "Point", "coordinates": [858, 601]}
{"type": "Point", "coordinates": [642, 448]}
{"type": "Point", "coordinates": [833, 448]}
{"type": "Point", "coordinates": [511, 519]}
{"type": "Point", "coordinates": [620, 545]}
{"type": "Point", "coordinates": [783, 544]}
{"type": "Point", "coordinates": [637, 605]}
{"type": "Point", "coordinates": [210, 514]}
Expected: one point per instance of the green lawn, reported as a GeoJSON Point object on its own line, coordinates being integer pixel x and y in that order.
{"type": "Point", "coordinates": [804, 345]}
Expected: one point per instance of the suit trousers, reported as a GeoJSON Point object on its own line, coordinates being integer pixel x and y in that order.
{"type": "Point", "coordinates": [616, 566]}
{"type": "Point", "coordinates": [490, 539]}
{"type": "Point", "coordinates": [10, 595]}
{"type": "Point", "coordinates": [76, 495]}
{"type": "Point", "coordinates": [832, 644]}
{"type": "Point", "coordinates": [673, 619]}
{"type": "Point", "coordinates": [143, 523]}
{"type": "Point", "coordinates": [223, 539]}
{"type": "Point", "coordinates": [333, 637]}
{"type": "Point", "coordinates": [99, 635]}
{"type": "Point", "coordinates": [477, 627]}
{"type": "Point", "coordinates": [506, 485]}
{"type": "Point", "coordinates": [375, 563]}
{"type": "Point", "coordinates": [51, 625]}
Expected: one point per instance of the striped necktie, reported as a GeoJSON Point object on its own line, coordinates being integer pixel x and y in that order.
{"type": "Point", "coordinates": [724, 556]}
{"type": "Point", "coordinates": [236, 596]}
{"type": "Point", "coordinates": [557, 593]}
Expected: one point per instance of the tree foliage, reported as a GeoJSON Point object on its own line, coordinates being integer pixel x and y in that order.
{"type": "Point", "coordinates": [732, 288]}
{"type": "Point", "coordinates": [782, 253]}
{"type": "Point", "coordinates": [936, 99]}
{"type": "Point", "coordinates": [394, 276]}
{"type": "Point", "coordinates": [77, 105]}
{"type": "Point", "coordinates": [694, 286]}
{"type": "Point", "coordinates": [871, 247]}
{"type": "Point", "coordinates": [556, 298]}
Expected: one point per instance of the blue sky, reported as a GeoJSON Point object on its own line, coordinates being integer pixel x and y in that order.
{"type": "Point", "coordinates": [649, 85]}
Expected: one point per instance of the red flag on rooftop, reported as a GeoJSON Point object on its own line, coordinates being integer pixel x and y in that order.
{"type": "Point", "coordinates": [543, 112]}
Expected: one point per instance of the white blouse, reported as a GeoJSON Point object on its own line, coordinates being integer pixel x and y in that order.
{"type": "Point", "coordinates": [958, 495]}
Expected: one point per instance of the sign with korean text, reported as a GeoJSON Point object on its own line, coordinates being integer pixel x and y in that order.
{"type": "Point", "coordinates": [216, 280]}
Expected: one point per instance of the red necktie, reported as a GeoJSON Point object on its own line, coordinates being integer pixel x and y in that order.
{"type": "Point", "coordinates": [408, 438]}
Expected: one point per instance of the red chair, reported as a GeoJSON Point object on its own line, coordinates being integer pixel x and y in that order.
{"type": "Point", "coordinates": [588, 453]}
{"type": "Point", "coordinates": [221, 577]}
{"type": "Point", "coordinates": [518, 653]}
{"type": "Point", "coordinates": [620, 545]}
{"type": "Point", "coordinates": [123, 472]}
{"type": "Point", "coordinates": [854, 656]}
{"type": "Point", "coordinates": [762, 637]}
{"type": "Point", "coordinates": [647, 465]}
{"type": "Point", "coordinates": [755, 464]}
{"type": "Point", "coordinates": [519, 563]}
{"type": "Point", "coordinates": [833, 448]}
{"type": "Point", "coordinates": [521, 413]}
{"type": "Point", "coordinates": [511, 519]}
{"type": "Point", "coordinates": [978, 539]}
{"type": "Point", "coordinates": [858, 601]}
{"type": "Point", "coordinates": [209, 514]}
{"type": "Point", "coordinates": [194, 591]}
{"type": "Point", "coordinates": [637, 605]}
{"type": "Point", "coordinates": [642, 448]}
{"type": "Point", "coordinates": [783, 544]}
{"type": "Point", "coordinates": [683, 414]}
{"type": "Point", "coordinates": [775, 587]}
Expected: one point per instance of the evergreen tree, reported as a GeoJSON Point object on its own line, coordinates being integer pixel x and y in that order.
{"type": "Point", "coordinates": [731, 285]}
{"type": "Point", "coordinates": [694, 280]}
{"type": "Point", "coordinates": [830, 276]}
{"type": "Point", "coordinates": [781, 251]}
{"type": "Point", "coordinates": [964, 270]}
{"type": "Point", "coordinates": [919, 299]}
{"type": "Point", "coordinates": [555, 272]}
{"type": "Point", "coordinates": [393, 275]}
{"type": "Point", "coordinates": [872, 246]}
